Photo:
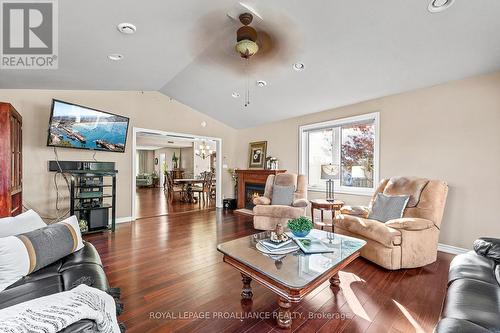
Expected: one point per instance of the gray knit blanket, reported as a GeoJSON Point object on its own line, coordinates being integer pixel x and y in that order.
{"type": "Point", "coordinates": [50, 314]}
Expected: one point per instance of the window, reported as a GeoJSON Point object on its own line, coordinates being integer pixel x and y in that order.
{"type": "Point", "coordinates": [349, 145]}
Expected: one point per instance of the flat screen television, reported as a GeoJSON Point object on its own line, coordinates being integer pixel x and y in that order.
{"type": "Point", "coordinates": [76, 126]}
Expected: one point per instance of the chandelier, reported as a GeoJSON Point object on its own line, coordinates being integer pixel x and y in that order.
{"type": "Point", "coordinates": [203, 151]}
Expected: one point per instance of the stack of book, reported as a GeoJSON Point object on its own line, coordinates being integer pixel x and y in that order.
{"type": "Point", "coordinates": [274, 247]}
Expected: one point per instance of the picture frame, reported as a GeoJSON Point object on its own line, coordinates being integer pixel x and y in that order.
{"type": "Point", "coordinates": [257, 154]}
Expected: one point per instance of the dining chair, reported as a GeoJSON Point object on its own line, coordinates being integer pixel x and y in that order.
{"type": "Point", "coordinates": [205, 189]}
{"type": "Point", "coordinates": [171, 188]}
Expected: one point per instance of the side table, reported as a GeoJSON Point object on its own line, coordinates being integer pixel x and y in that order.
{"type": "Point", "coordinates": [322, 205]}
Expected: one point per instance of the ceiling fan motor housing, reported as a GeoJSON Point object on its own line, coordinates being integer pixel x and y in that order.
{"type": "Point", "coordinates": [246, 32]}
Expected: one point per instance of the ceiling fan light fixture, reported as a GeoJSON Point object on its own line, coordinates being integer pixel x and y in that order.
{"type": "Point", "coordinates": [247, 48]}
{"type": "Point", "coordinates": [436, 6]}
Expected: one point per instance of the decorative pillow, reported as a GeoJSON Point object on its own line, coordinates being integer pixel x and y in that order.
{"type": "Point", "coordinates": [283, 195]}
{"type": "Point", "coordinates": [25, 222]}
{"type": "Point", "coordinates": [14, 261]}
{"type": "Point", "coordinates": [28, 252]}
{"type": "Point", "coordinates": [488, 247]}
{"type": "Point", "coordinates": [388, 207]}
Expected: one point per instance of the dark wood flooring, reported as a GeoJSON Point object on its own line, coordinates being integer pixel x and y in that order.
{"type": "Point", "coordinates": [171, 274]}
{"type": "Point", "coordinates": [152, 201]}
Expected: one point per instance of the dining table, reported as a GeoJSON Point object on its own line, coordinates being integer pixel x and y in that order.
{"type": "Point", "coordinates": [187, 186]}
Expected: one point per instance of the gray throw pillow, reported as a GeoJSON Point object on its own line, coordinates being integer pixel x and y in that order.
{"type": "Point", "coordinates": [388, 207]}
{"type": "Point", "coordinates": [283, 195]}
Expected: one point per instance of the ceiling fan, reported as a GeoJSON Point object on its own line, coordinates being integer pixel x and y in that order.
{"type": "Point", "coordinates": [269, 42]}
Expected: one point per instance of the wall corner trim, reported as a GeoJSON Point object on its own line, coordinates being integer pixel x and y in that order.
{"type": "Point", "coordinates": [451, 249]}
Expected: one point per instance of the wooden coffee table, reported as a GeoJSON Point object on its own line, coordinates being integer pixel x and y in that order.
{"type": "Point", "coordinates": [297, 274]}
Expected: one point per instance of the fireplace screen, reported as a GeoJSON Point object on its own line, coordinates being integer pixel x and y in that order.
{"type": "Point", "coordinates": [252, 191]}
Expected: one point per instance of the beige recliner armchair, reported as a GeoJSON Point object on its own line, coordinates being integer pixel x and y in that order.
{"type": "Point", "coordinates": [267, 215]}
{"type": "Point", "coordinates": [407, 242]}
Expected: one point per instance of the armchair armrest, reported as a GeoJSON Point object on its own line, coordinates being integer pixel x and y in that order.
{"type": "Point", "coordinates": [300, 203]}
{"type": "Point", "coordinates": [410, 224]}
{"type": "Point", "coordinates": [360, 211]}
{"type": "Point", "coordinates": [261, 201]}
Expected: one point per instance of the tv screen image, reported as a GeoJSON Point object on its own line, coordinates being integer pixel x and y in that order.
{"type": "Point", "coordinates": [76, 126]}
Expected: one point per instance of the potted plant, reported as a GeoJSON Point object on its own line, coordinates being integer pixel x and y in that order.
{"type": "Point", "coordinates": [175, 160]}
{"type": "Point", "coordinates": [300, 227]}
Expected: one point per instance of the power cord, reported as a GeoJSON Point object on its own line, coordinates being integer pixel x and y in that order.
{"type": "Point", "coordinates": [56, 185]}
{"type": "Point", "coordinates": [59, 215]}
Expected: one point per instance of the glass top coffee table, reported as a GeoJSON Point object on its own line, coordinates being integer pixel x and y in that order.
{"type": "Point", "coordinates": [291, 276]}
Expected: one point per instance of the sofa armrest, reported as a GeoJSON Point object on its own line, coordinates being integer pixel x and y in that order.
{"type": "Point", "coordinates": [261, 201]}
{"type": "Point", "coordinates": [300, 203]}
{"type": "Point", "coordinates": [410, 224]}
{"type": "Point", "coordinates": [360, 211]}
{"type": "Point", "coordinates": [488, 247]}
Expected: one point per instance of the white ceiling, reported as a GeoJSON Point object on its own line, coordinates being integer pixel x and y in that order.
{"type": "Point", "coordinates": [353, 51]}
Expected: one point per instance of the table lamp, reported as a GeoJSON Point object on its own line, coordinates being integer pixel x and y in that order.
{"type": "Point", "coordinates": [329, 172]}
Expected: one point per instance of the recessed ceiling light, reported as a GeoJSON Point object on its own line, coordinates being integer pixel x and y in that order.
{"type": "Point", "coordinates": [115, 56]}
{"type": "Point", "coordinates": [437, 6]}
{"type": "Point", "coordinates": [126, 28]}
{"type": "Point", "coordinates": [235, 94]}
{"type": "Point", "coordinates": [299, 66]}
{"type": "Point", "coordinates": [261, 83]}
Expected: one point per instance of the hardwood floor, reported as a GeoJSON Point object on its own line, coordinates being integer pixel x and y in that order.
{"type": "Point", "coordinates": [171, 274]}
{"type": "Point", "coordinates": [152, 201]}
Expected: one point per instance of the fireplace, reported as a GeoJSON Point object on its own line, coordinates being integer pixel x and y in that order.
{"type": "Point", "coordinates": [253, 178]}
{"type": "Point", "coordinates": [252, 191]}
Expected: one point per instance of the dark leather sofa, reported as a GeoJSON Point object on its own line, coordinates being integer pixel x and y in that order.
{"type": "Point", "coordinates": [83, 266]}
{"type": "Point", "coordinates": [472, 302]}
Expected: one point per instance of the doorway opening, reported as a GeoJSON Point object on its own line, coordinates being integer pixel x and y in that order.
{"type": "Point", "coordinates": [174, 173]}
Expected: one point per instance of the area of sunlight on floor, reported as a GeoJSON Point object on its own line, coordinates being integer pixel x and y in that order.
{"type": "Point", "coordinates": [346, 279]}
{"type": "Point", "coordinates": [409, 317]}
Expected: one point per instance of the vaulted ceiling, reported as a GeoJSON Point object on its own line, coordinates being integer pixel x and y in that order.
{"type": "Point", "coordinates": [352, 51]}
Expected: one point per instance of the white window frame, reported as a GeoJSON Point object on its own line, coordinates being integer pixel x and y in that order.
{"type": "Point", "coordinates": [304, 153]}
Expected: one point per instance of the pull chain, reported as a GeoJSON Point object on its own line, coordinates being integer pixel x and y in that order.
{"type": "Point", "coordinates": [247, 88]}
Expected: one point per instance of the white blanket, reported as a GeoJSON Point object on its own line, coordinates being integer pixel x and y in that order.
{"type": "Point", "coordinates": [55, 312]}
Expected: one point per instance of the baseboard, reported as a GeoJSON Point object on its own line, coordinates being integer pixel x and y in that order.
{"type": "Point", "coordinates": [123, 219]}
{"type": "Point", "coordinates": [451, 249]}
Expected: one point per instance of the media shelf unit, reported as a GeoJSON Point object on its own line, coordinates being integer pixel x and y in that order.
{"type": "Point", "coordinates": [92, 196]}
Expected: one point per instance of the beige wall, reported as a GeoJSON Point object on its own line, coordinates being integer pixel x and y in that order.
{"type": "Point", "coordinates": [448, 132]}
{"type": "Point", "coordinates": [150, 110]}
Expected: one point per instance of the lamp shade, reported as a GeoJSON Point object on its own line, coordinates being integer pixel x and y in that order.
{"type": "Point", "coordinates": [358, 172]}
{"type": "Point", "coordinates": [330, 171]}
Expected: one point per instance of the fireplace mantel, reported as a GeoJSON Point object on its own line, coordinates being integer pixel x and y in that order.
{"type": "Point", "coordinates": [254, 176]}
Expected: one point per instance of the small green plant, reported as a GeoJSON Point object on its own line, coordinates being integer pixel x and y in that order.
{"type": "Point", "coordinates": [300, 224]}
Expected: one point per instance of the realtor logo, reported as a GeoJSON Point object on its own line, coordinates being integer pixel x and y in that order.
{"type": "Point", "coordinates": [28, 34]}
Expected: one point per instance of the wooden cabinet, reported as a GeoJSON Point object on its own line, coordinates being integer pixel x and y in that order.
{"type": "Point", "coordinates": [11, 161]}
{"type": "Point", "coordinates": [177, 173]}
